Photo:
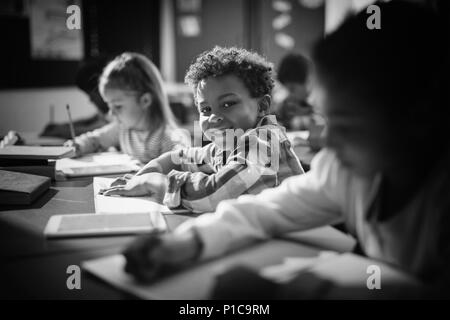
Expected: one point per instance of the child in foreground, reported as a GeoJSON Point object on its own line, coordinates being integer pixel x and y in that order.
{"type": "Point", "coordinates": [144, 126]}
{"type": "Point", "coordinates": [249, 150]}
{"type": "Point", "coordinates": [384, 172]}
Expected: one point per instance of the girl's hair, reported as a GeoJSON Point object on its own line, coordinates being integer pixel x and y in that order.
{"type": "Point", "coordinates": [254, 70]}
{"type": "Point", "coordinates": [134, 72]}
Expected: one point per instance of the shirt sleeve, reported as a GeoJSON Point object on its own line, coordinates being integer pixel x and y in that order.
{"type": "Point", "coordinates": [197, 159]}
{"type": "Point", "coordinates": [100, 139]}
{"type": "Point", "coordinates": [253, 166]}
{"type": "Point", "coordinates": [299, 203]}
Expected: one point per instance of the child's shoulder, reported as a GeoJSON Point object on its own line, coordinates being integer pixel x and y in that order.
{"type": "Point", "coordinates": [267, 129]}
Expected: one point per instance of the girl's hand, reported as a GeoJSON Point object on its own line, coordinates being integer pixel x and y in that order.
{"type": "Point", "coordinates": [149, 184]}
{"type": "Point", "coordinates": [10, 139]}
{"type": "Point", "coordinates": [149, 255]}
{"type": "Point", "coordinates": [73, 144]}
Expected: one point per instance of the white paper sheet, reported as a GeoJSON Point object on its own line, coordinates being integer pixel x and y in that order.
{"type": "Point", "coordinates": [196, 282]}
{"type": "Point", "coordinates": [346, 270]}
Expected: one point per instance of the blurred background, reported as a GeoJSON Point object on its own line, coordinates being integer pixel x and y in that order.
{"type": "Point", "coordinates": [40, 57]}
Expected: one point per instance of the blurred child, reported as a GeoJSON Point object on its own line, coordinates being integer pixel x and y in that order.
{"type": "Point", "coordinates": [250, 151]}
{"type": "Point", "coordinates": [143, 126]}
{"type": "Point", "coordinates": [384, 171]}
{"type": "Point", "coordinates": [295, 112]}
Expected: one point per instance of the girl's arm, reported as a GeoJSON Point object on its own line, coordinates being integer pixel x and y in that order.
{"type": "Point", "coordinates": [98, 140]}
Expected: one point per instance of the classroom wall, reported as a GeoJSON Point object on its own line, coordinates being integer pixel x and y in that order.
{"type": "Point", "coordinates": [27, 110]}
{"type": "Point", "coordinates": [296, 29]}
{"type": "Point", "coordinates": [252, 24]}
{"type": "Point", "coordinates": [221, 23]}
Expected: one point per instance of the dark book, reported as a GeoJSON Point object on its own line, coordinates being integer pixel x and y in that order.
{"type": "Point", "coordinates": [33, 160]}
{"type": "Point", "coordinates": [22, 162]}
{"type": "Point", "coordinates": [21, 188]}
{"type": "Point", "coordinates": [44, 168]}
{"type": "Point", "coordinates": [46, 171]}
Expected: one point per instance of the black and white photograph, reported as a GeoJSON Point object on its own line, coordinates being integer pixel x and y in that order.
{"type": "Point", "coordinates": [230, 156]}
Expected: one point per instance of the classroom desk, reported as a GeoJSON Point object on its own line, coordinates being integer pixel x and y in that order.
{"type": "Point", "coordinates": [34, 267]}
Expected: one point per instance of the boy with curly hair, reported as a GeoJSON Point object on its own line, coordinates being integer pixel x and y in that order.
{"type": "Point", "coordinates": [249, 150]}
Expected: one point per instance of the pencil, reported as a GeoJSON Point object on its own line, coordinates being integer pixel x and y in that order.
{"type": "Point", "coordinates": [52, 113]}
{"type": "Point", "coordinates": [72, 130]}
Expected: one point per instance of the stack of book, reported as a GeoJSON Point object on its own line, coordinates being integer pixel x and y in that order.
{"type": "Point", "coordinates": [21, 188]}
{"type": "Point", "coordinates": [33, 160]}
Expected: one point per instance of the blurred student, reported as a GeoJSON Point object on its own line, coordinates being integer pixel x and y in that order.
{"type": "Point", "coordinates": [144, 126]}
{"type": "Point", "coordinates": [294, 111]}
{"type": "Point", "coordinates": [249, 150]}
{"type": "Point", "coordinates": [384, 172]}
{"type": "Point", "coordinates": [86, 80]}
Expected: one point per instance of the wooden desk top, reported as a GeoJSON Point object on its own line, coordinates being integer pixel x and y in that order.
{"type": "Point", "coordinates": [27, 258]}
{"type": "Point", "coordinates": [34, 267]}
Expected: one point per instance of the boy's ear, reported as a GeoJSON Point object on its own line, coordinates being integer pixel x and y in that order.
{"type": "Point", "coordinates": [264, 105]}
{"type": "Point", "coordinates": [146, 100]}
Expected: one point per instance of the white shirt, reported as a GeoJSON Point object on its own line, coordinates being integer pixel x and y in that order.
{"type": "Point", "coordinates": [415, 239]}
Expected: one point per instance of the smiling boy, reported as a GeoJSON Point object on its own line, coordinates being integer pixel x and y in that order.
{"type": "Point", "coordinates": [249, 150]}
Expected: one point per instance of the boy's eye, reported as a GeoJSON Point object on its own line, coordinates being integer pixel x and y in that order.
{"type": "Point", "coordinates": [229, 104]}
{"type": "Point", "coordinates": [205, 109]}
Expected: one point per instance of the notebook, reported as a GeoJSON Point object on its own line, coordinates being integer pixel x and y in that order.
{"type": "Point", "coordinates": [348, 270]}
{"type": "Point", "coordinates": [93, 225]}
{"type": "Point", "coordinates": [33, 152]}
{"type": "Point", "coordinates": [196, 282]}
{"type": "Point", "coordinates": [105, 163]}
{"type": "Point", "coordinates": [21, 188]}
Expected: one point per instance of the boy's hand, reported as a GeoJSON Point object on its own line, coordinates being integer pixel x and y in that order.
{"type": "Point", "coordinates": [121, 180]}
{"type": "Point", "coordinates": [149, 255]}
{"type": "Point", "coordinates": [117, 182]}
{"type": "Point", "coordinates": [149, 184]}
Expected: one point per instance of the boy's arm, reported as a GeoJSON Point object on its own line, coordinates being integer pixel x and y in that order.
{"type": "Point", "coordinates": [163, 164]}
{"type": "Point", "coordinates": [255, 165]}
{"type": "Point", "coordinates": [299, 203]}
{"type": "Point", "coordinates": [184, 159]}
{"type": "Point", "coordinates": [99, 140]}
{"type": "Point", "coordinates": [201, 192]}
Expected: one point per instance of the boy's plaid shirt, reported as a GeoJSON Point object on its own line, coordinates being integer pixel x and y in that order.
{"type": "Point", "coordinates": [261, 159]}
